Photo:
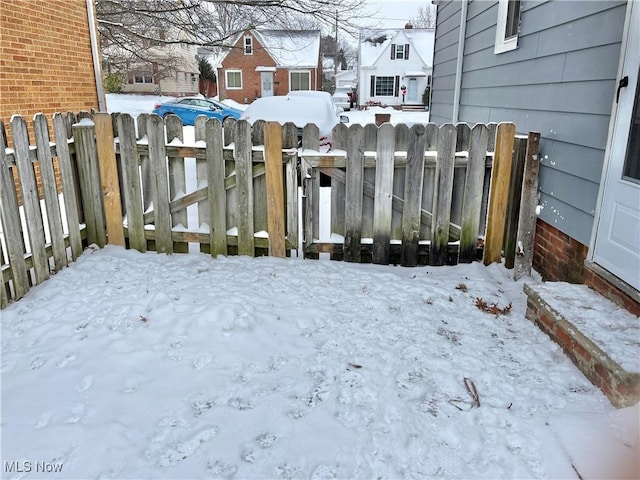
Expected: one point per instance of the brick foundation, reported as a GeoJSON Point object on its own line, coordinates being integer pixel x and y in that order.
{"type": "Point", "coordinates": [622, 388]}
{"type": "Point", "coordinates": [560, 258]}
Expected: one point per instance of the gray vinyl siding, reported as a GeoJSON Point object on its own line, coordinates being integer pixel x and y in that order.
{"type": "Point", "coordinates": [560, 81]}
{"type": "Point", "coordinates": [445, 53]}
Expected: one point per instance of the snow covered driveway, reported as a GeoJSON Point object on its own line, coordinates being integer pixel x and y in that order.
{"type": "Point", "coordinates": [130, 365]}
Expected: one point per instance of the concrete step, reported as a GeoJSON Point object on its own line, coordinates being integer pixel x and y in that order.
{"type": "Point", "coordinates": [601, 338]}
{"type": "Point", "coordinates": [413, 107]}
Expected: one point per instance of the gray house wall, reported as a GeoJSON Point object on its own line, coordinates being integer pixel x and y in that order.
{"type": "Point", "coordinates": [560, 81]}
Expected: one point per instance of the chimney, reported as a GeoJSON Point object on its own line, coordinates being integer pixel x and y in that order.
{"type": "Point", "coordinates": [408, 26]}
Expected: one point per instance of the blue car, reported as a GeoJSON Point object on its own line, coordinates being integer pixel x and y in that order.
{"type": "Point", "coordinates": [188, 108]}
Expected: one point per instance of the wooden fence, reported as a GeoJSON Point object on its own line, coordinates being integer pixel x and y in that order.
{"type": "Point", "coordinates": [419, 195]}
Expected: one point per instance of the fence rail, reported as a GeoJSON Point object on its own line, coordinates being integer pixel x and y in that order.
{"type": "Point", "coordinates": [422, 195]}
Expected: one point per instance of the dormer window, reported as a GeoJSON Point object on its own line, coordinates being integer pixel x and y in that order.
{"type": "Point", "coordinates": [248, 45]}
{"type": "Point", "coordinates": [400, 51]}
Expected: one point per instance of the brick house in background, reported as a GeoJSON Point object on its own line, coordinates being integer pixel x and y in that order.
{"type": "Point", "coordinates": [269, 62]}
{"type": "Point", "coordinates": [49, 58]}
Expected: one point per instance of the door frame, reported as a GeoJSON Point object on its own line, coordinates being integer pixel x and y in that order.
{"type": "Point", "coordinates": [625, 48]}
{"type": "Point", "coordinates": [262, 75]}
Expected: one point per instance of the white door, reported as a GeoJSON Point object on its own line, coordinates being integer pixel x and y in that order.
{"type": "Point", "coordinates": [266, 79]}
{"type": "Point", "coordinates": [617, 243]}
{"type": "Point", "coordinates": [412, 94]}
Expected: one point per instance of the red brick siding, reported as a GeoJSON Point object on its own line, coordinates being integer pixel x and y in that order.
{"type": "Point", "coordinates": [251, 88]}
{"type": "Point", "coordinates": [558, 257]}
{"type": "Point", "coordinates": [46, 63]}
{"type": "Point", "coordinates": [45, 58]}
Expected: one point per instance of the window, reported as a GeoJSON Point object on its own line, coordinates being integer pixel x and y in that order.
{"type": "Point", "coordinates": [299, 81]}
{"type": "Point", "coordinates": [193, 77]}
{"type": "Point", "coordinates": [233, 79]}
{"type": "Point", "coordinates": [508, 26]}
{"type": "Point", "coordinates": [400, 51]}
{"type": "Point", "coordinates": [384, 87]}
{"type": "Point", "coordinates": [142, 78]}
{"type": "Point", "coordinates": [248, 45]}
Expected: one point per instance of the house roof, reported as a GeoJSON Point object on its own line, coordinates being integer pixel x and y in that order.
{"type": "Point", "coordinates": [375, 41]}
{"type": "Point", "coordinates": [291, 48]}
{"type": "Point", "coordinates": [288, 48]}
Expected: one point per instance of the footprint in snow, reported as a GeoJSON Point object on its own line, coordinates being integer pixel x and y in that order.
{"type": "Point", "coordinates": [85, 384]}
{"type": "Point", "coordinates": [77, 412]}
{"type": "Point", "coordinates": [240, 404]}
{"type": "Point", "coordinates": [202, 361]}
{"type": "Point", "coordinates": [287, 471]}
{"type": "Point", "coordinates": [181, 451]}
{"type": "Point", "coordinates": [37, 362]}
{"type": "Point", "coordinates": [266, 440]}
{"type": "Point", "coordinates": [69, 357]}
{"type": "Point", "coordinates": [44, 420]}
{"type": "Point", "coordinates": [323, 472]}
{"type": "Point", "coordinates": [130, 386]}
{"type": "Point", "coordinates": [218, 468]}
{"type": "Point", "coordinates": [7, 365]}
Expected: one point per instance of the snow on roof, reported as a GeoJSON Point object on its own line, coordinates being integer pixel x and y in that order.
{"type": "Point", "coordinates": [374, 41]}
{"type": "Point", "coordinates": [291, 48]}
{"type": "Point", "coordinates": [423, 40]}
{"type": "Point", "coordinates": [372, 44]}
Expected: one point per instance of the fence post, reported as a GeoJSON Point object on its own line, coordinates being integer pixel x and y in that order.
{"type": "Point", "coordinates": [129, 163]}
{"type": "Point", "coordinates": [9, 213]}
{"type": "Point", "coordinates": [499, 191]}
{"type": "Point", "coordinates": [69, 184]}
{"type": "Point", "coordinates": [30, 199]}
{"type": "Point", "coordinates": [109, 178]}
{"type": "Point", "coordinates": [177, 174]}
{"type": "Point", "coordinates": [528, 204]}
{"type": "Point", "coordinates": [443, 194]}
{"type": "Point", "coordinates": [244, 187]}
{"type": "Point", "coordinates": [88, 171]}
{"type": "Point", "coordinates": [217, 194]}
{"type": "Point", "coordinates": [513, 201]}
{"type": "Point", "coordinates": [383, 200]}
{"type": "Point", "coordinates": [472, 203]}
{"type": "Point", "coordinates": [289, 141]}
{"type": "Point", "coordinates": [275, 191]}
{"type": "Point", "coordinates": [413, 177]}
{"type": "Point", "coordinates": [160, 184]}
{"type": "Point", "coordinates": [354, 188]}
{"type": "Point", "coordinates": [51, 201]}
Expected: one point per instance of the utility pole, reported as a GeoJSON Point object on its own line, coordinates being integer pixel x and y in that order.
{"type": "Point", "coordinates": [335, 56]}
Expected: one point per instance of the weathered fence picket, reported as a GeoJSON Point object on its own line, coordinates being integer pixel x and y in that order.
{"type": "Point", "coordinates": [53, 235]}
{"type": "Point", "coordinates": [32, 212]}
{"type": "Point", "coordinates": [404, 195]}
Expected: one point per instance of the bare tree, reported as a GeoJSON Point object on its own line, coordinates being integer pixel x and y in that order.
{"type": "Point", "coordinates": [128, 24]}
{"type": "Point", "coordinates": [426, 17]}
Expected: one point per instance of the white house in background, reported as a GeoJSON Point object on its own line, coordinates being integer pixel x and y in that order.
{"type": "Point", "coordinates": [395, 66]}
{"type": "Point", "coordinates": [346, 78]}
{"type": "Point", "coordinates": [167, 69]}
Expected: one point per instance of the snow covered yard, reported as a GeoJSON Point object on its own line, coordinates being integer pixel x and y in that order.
{"type": "Point", "coordinates": [130, 365]}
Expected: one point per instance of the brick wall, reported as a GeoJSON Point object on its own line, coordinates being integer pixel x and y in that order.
{"type": "Point", "coordinates": [558, 257]}
{"type": "Point", "coordinates": [46, 63]}
{"type": "Point", "coordinates": [45, 58]}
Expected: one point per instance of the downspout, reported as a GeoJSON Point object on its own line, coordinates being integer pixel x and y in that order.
{"type": "Point", "coordinates": [95, 53]}
{"type": "Point", "coordinates": [458, 80]}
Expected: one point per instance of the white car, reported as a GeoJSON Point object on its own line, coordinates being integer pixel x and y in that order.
{"type": "Point", "coordinates": [342, 100]}
{"type": "Point", "coordinates": [299, 109]}
{"type": "Point", "coordinates": [324, 96]}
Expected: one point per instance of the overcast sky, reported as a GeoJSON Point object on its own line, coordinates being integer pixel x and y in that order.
{"type": "Point", "coordinates": [395, 13]}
